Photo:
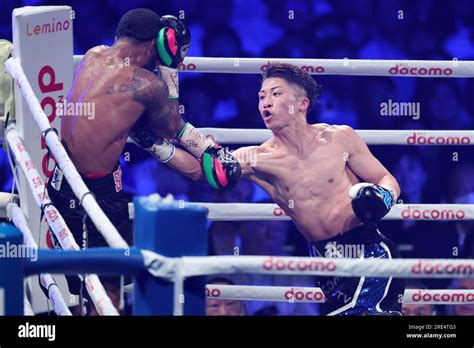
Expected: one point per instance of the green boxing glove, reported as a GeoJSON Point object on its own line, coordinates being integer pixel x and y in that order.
{"type": "Point", "coordinates": [222, 170]}
{"type": "Point", "coordinates": [172, 45]}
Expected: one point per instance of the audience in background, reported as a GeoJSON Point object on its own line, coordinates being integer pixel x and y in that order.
{"type": "Point", "coordinates": [220, 307]}
{"type": "Point", "coordinates": [416, 309]}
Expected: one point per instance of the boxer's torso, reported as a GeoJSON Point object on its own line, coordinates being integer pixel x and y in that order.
{"type": "Point", "coordinates": [311, 186]}
{"type": "Point", "coordinates": [103, 83]}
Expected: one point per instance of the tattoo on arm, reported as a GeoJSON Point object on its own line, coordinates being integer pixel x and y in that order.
{"type": "Point", "coordinates": [122, 88]}
{"type": "Point", "coordinates": [152, 92]}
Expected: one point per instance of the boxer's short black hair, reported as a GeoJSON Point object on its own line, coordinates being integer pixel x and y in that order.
{"type": "Point", "coordinates": [296, 76]}
{"type": "Point", "coordinates": [140, 24]}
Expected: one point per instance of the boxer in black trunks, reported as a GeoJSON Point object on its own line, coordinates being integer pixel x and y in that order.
{"type": "Point", "coordinates": [128, 98]}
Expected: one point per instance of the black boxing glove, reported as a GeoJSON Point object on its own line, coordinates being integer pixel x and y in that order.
{"type": "Point", "coordinates": [172, 45]}
{"type": "Point", "coordinates": [222, 170]}
{"type": "Point", "coordinates": [371, 202]}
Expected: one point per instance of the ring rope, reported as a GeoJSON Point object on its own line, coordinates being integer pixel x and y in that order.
{"type": "Point", "coordinates": [265, 293]}
{"type": "Point", "coordinates": [344, 267]}
{"type": "Point", "coordinates": [27, 309]}
{"type": "Point", "coordinates": [295, 294]}
{"type": "Point", "coordinates": [371, 137]}
{"type": "Point", "coordinates": [56, 222]}
{"type": "Point", "coordinates": [19, 220]}
{"type": "Point", "coordinates": [272, 212]}
{"type": "Point", "coordinates": [356, 67]}
{"type": "Point", "coordinates": [100, 220]}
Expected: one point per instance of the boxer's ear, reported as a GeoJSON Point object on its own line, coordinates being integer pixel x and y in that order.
{"type": "Point", "coordinates": [304, 104]}
{"type": "Point", "coordinates": [152, 45]}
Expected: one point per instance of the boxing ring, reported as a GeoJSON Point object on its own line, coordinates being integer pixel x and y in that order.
{"type": "Point", "coordinates": [162, 261]}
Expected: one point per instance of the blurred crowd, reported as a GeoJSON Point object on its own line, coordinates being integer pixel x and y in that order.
{"type": "Point", "coordinates": [363, 29]}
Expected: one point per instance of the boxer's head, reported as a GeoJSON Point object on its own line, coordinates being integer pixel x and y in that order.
{"type": "Point", "coordinates": [138, 29]}
{"type": "Point", "coordinates": [287, 93]}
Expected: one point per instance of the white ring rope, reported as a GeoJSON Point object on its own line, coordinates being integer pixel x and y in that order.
{"type": "Point", "coordinates": [371, 137]}
{"type": "Point", "coordinates": [441, 296]}
{"type": "Point", "coordinates": [271, 211]}
{"type": "Point", "coordinates": [265, 293]}
{"type": "Point", "coordinates": [399, 268]}
{"type": "Point", "coordinates": [296, 294]}
{"type": "Point", "coordinates": [27, 309]}
{"type": "Point", "coordinates": [56, 222]}
{"type": "Point", "coordinates": [361, 67]}
{"type": "Point", "coordinates": [100, 220]}
{"type": "Point", "coordinates": [39, 191]}
{"type": "Point", "coordinates": [19, 220]}
{"type": "Point", "coordinates": [5, 199]}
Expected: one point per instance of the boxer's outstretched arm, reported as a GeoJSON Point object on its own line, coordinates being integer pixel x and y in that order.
{"type": "Point", "coordinates": [364, 164]}
{"type": "Point", "coordinates": [186, 164]}
{"type": "Point", "coordinates": [247, 159]}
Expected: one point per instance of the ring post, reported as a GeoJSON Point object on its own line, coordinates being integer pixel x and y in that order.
{"type": "Point", "coordinates": [172, 230]}
{"type": "Point", "coordinates": [11, 270]}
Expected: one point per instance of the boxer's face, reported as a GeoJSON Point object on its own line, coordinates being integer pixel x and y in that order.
{"type": "Point", "coordinates": [279, 103]}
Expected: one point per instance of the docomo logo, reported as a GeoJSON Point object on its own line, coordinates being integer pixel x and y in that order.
{"type": "Point", "coordinates": [439, 268]}
{"type": "Point", "coordinates": [279, 212]}
{"type": "Point", "coordinates": [428, 214]}
{"type": "Point", "coordinates": [417, 139]}
{"type": "Point", "coordinates": [420, 295]}
{"type": "Point", "coordinates": [47, 84]}
{"type": "Point", "coordinates": [308, 68]}
{"type": "Point", "coordinates": [301, 265]}
{"type": "Point", "coordinates": [187, 67]}
{"type": "Point", "coordinates": [420, 71]}
{"type": "Point", "coordinates": [213, 292]}
{"type": "Point", "coordinates": [304, 295]}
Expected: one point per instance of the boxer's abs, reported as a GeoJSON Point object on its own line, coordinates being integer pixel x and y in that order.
{"type": "Point", "coordinates": [317, 200]}
{"type": "Point", "coordinates": [320, 217]}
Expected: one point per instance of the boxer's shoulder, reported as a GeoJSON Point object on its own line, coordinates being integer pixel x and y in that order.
{"type": "Point", "coordinates": [96, 51]}
{"type": "Point", "coordinates": [147, 87]}
{"type": "Point", "coordinates": [333, 128]}
{"type": "Point", "coordinates": [267, 146]}
{"type": "Point", "coordinates": [334, 131]}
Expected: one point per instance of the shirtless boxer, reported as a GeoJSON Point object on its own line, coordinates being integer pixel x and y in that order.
{"type": "Point", "coordinates": [128, 97]}
{"type": "Point", "coordinates": [325, 178]}
{"type": "Point", "coordinates": [328, 182]}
